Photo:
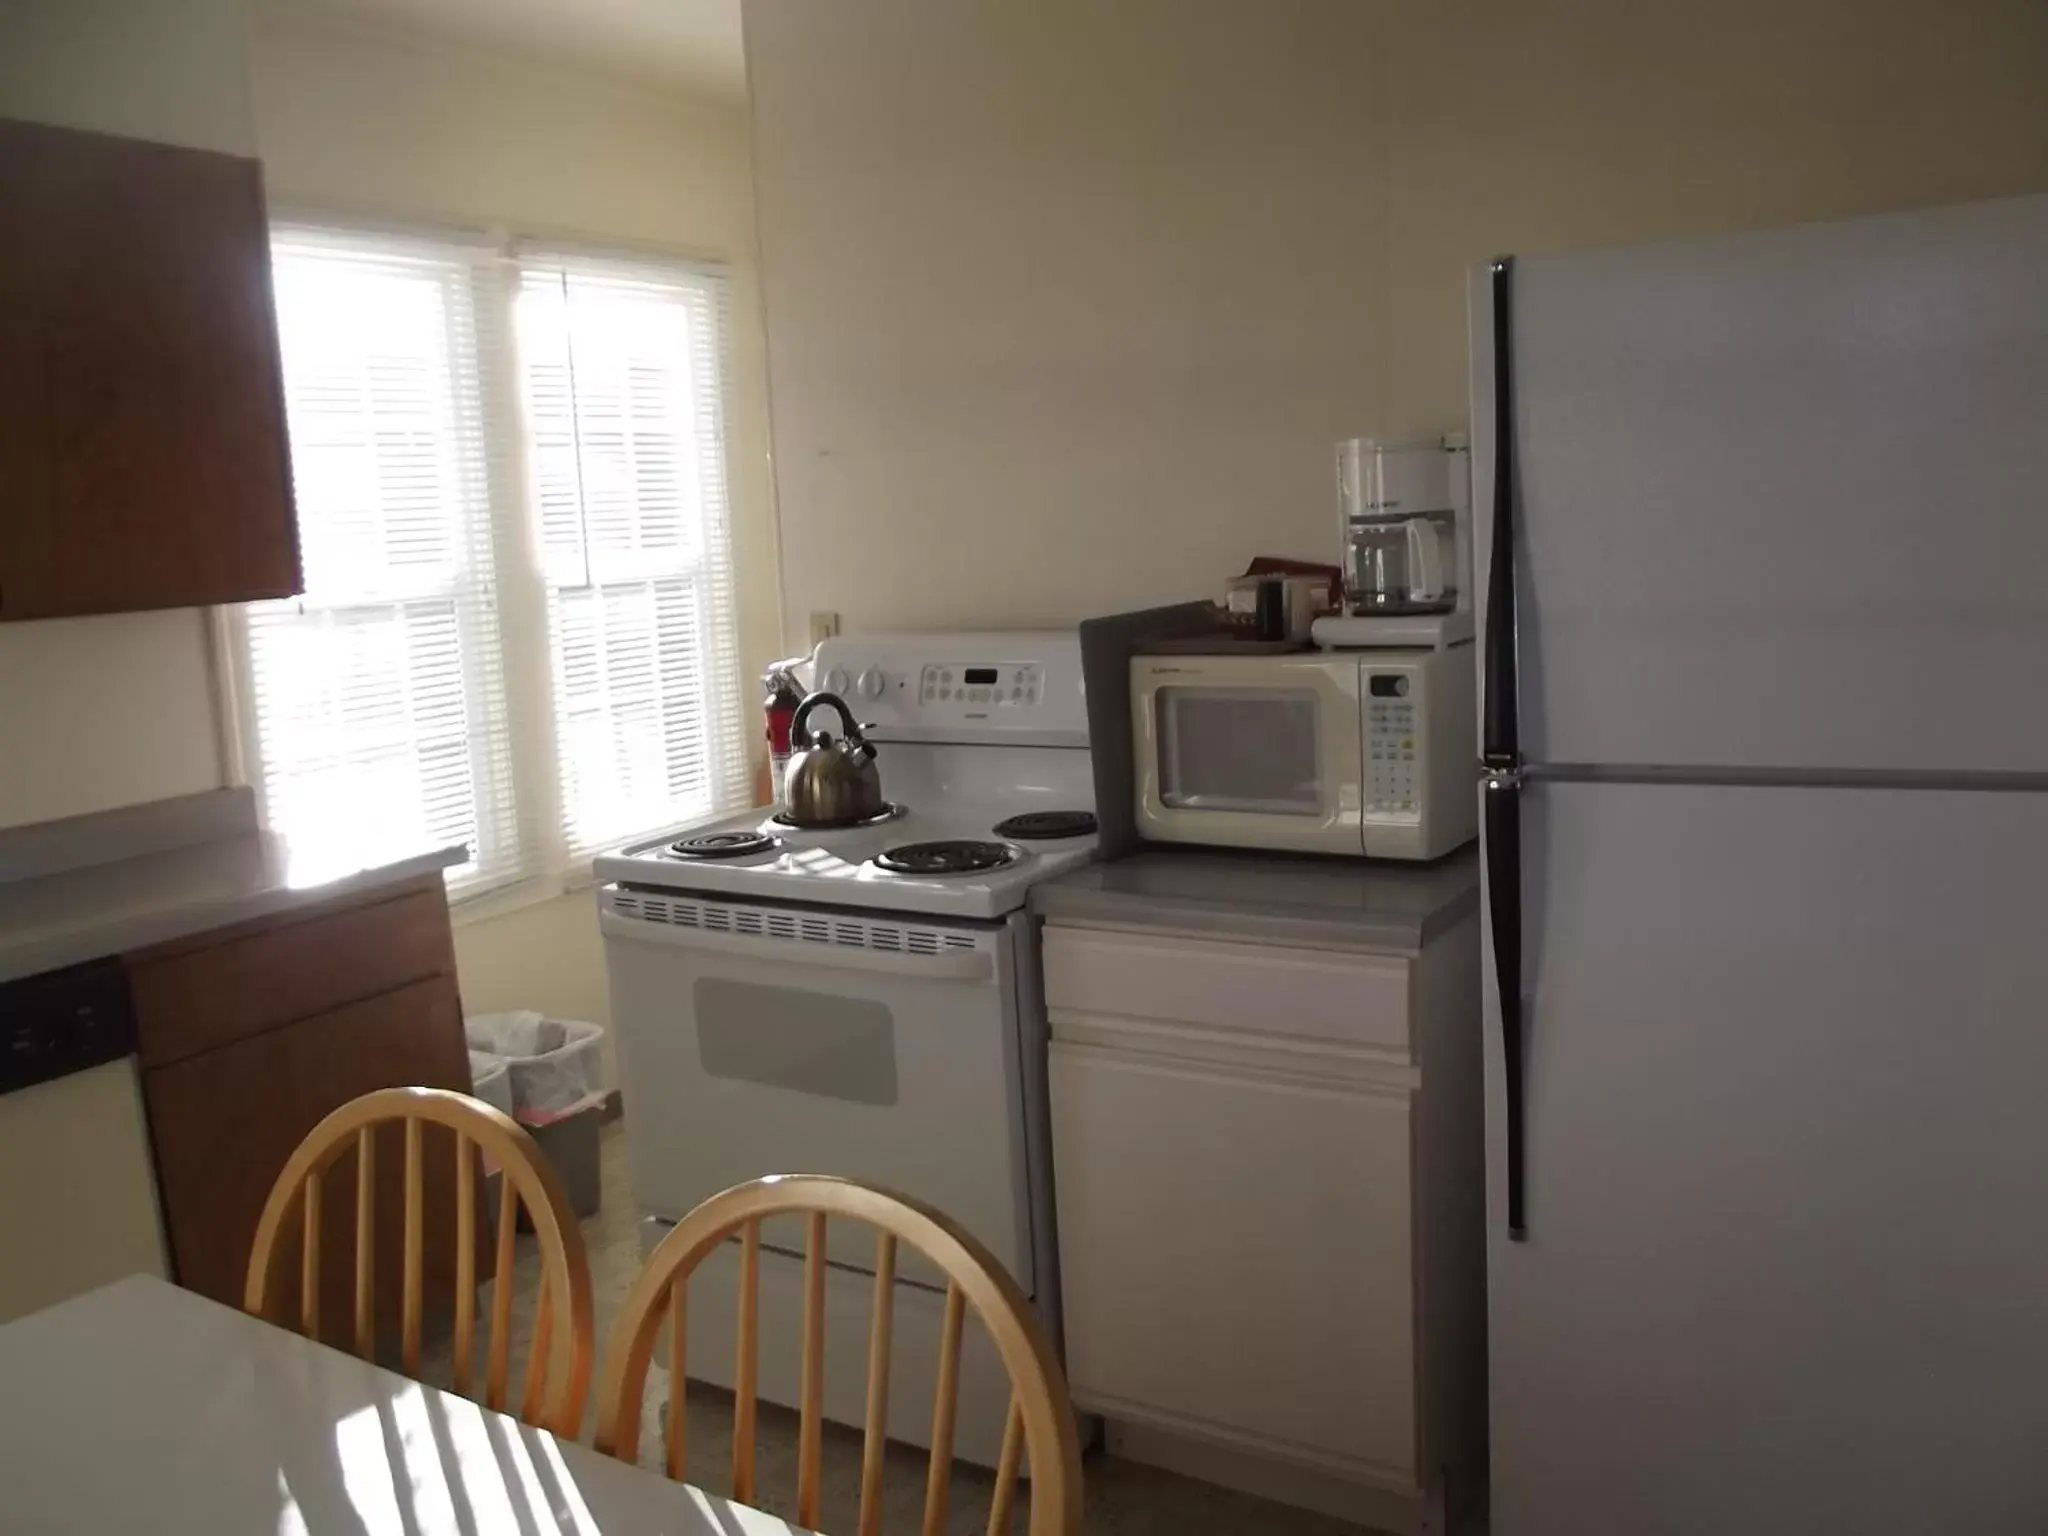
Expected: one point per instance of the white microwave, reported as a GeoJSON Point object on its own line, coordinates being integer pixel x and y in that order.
{"type": "Point", "coordinates": [1371, 753]}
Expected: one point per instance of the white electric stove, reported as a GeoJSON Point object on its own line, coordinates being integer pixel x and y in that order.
{"type": "Point", "coordinates": [864, 1001]}
{"type": "Point", "coordinates": [962, 859]}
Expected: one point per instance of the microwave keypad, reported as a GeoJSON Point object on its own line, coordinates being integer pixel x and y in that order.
{"type": "Point", "coordinates": [1390, 752]}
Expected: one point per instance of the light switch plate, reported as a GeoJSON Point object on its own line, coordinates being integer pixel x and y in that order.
{"type": "Point", "coordinates": [823, 625]}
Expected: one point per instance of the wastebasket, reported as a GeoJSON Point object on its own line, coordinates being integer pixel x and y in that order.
{"type": "Point", "coordinates": [555, 1073]}
{"type": "Point", "coordinates": [490, 1080]}
{"type": "Point", "coordinates": [573, 1145]}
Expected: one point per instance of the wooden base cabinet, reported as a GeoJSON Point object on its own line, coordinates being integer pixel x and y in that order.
{"type": "Point", "coordinates": [1270, 1220]}
{"type": "Point", "coordinates": [249, 1038]}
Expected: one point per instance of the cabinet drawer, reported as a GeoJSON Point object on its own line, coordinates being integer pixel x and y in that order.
{"type": "Point", "coordinates": [1236, 1253]}
{"type": "Point", "coordinates": [1312, 994]}
{"type": "Point", "coordinates": [189, 1000]}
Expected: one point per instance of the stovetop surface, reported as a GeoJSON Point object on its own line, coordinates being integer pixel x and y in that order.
{"type": "Point", "coordinates": [837, 868]}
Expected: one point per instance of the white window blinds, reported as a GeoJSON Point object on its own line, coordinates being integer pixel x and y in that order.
{"type": "Point", "coordinates": [623, 368]}
{"type": "Point", "coordinates": [376, 701]}
{"type": "Point", "coordinates": [518, 631]}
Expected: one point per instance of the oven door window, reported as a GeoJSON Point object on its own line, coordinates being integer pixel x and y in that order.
{"type": "Point", "coordinates": [1239, 749]}
{"type": "Point", "coordinates": [808, 1042]}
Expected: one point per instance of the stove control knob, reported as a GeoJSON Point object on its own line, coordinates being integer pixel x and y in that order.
{"type": "Point", "coordinates": [872, 682]}
{"type": "Point", "coordinates": [836, 680]}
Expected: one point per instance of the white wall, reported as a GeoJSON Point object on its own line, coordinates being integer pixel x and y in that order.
{"type": "Point", "coordinates": [1068, 302]}
{"type": "Point", "coordinates": [103, 712]}
{"type": "Point", "coordinates": [355, 120]}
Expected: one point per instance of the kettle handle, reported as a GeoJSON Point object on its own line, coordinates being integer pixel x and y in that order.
{"type": "Point", "coordinates": [799, 724]}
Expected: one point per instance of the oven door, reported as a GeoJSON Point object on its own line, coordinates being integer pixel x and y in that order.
{"type": "Point", "coordinates": [756, 1040]}
{"type": "Point", "coordinates": [1248, 751]}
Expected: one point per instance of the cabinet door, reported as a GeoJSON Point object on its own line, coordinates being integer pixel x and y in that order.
{"type": "Point", "coordinates": [142, 428]}
{"type": "Point", "coordinates": [1235, 1254]}
{"type": "Point", "coordinates": [224, 1122]}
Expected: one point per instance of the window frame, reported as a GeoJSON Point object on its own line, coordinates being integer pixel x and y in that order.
{"type": "Point", "coordinates": [526, 655]}
{"type": "Point", "coordinates": [698, 566]}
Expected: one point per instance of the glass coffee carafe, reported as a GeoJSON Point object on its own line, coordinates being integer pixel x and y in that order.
{"type": "Point", "coordinates": [1403, 564]}
{"type": "Point", "coordinates": [1400, 534]}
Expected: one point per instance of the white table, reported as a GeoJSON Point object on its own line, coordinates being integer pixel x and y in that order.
{"type": "Point", "coordinates": [141, 1407]}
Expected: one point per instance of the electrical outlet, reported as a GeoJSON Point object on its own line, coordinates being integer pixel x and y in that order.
{"type": "Point", "coordinates": [823, 625]}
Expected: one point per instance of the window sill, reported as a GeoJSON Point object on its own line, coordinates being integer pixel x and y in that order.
{"type": "Point", "coordinates": [504, 900]}
{"type": "Point", "coordinates": [517, 895]}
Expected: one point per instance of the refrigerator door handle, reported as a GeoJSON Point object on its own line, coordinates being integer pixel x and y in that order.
{"type": "Point", "coordinates": [1501, 725]}
{"type": "Point", "coordinates": [1501, 732]}
{"type": "Point", "coordinates": [1503, 833]}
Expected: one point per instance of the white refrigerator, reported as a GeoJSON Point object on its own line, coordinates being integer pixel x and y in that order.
{"type": "Point", "coordinates": [1763, 569]}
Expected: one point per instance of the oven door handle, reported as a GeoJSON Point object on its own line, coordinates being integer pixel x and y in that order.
{"type": "Point", "coordinates": [947, 965]}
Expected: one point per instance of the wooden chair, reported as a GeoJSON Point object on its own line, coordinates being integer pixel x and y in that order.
{"type": "Point", "coordinates": [526, 1178]}
{"type": "Point", "coordinates": [1040, 1417]}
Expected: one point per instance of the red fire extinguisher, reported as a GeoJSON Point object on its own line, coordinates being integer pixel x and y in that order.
{"type": "Point", "coordinates": [779, 706]}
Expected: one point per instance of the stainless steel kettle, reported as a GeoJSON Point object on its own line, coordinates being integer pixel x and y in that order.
{"type": "Point", "coordinates": [830, 783]}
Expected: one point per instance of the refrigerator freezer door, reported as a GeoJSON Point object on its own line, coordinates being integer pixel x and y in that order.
{"type": "Point", "coordinates": [1782, 495]}
{"type": "Point", "coordinates": [1787, 1257]}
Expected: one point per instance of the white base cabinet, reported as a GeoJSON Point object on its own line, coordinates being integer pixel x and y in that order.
{"type": "Point", "coordinates": [1270, 1209]}
{"type": "Point", "coordinates": [1236, 1252]}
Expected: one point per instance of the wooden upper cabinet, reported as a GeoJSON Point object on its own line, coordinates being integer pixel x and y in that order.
{"type": "Point", "coordinates": [143, 459]}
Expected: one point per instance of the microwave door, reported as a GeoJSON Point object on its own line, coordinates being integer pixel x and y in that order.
{"type": "Point", "coordinates": [1255, 760]}
{"type": "Point", "coordinates": [1250, 750]}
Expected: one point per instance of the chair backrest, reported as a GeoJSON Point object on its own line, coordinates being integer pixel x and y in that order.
{"type": "Point", "coordinates": [527, 1179]}
{"type": "Point", "coordinates": [1041, 1419]}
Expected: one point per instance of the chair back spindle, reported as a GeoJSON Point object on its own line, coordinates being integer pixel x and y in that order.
{"type": "Point", "coordinates": [1039, 1422]}
{"type": "Point", "coordinates": [528, 1181]}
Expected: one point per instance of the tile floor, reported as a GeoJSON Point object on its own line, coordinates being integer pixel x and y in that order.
{"type": "Point", "coordinates": [1123, 1497]}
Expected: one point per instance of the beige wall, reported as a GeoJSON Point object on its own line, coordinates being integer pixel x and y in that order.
{"type": "Point", "coordinates": [1568, 123]}
{"type": "Point", "coordinates": [1068, 302]}
{"type": "Point", "coordinates": [357, 121]}
{"type": "Point", "coordinates": [96, 713]}
{"type": "Point", "coordinates": [175, 70]}
{"type": "Point", "coordinates": [103, 712]}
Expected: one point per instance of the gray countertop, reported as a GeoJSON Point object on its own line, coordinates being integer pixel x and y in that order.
{"type": "Point", "coordinates": [104, 885]}
{"type": "Point", "coordinates": [1281, 898]}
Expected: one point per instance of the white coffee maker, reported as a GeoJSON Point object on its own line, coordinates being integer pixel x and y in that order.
{"type": "Point", "coordinates": [1403, 514]}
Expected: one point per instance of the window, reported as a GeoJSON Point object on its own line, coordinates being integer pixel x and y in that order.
{"type": "Point", "coordinates": [518, 629]}
{"type": "Point", "coordinates": [627, 451]}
